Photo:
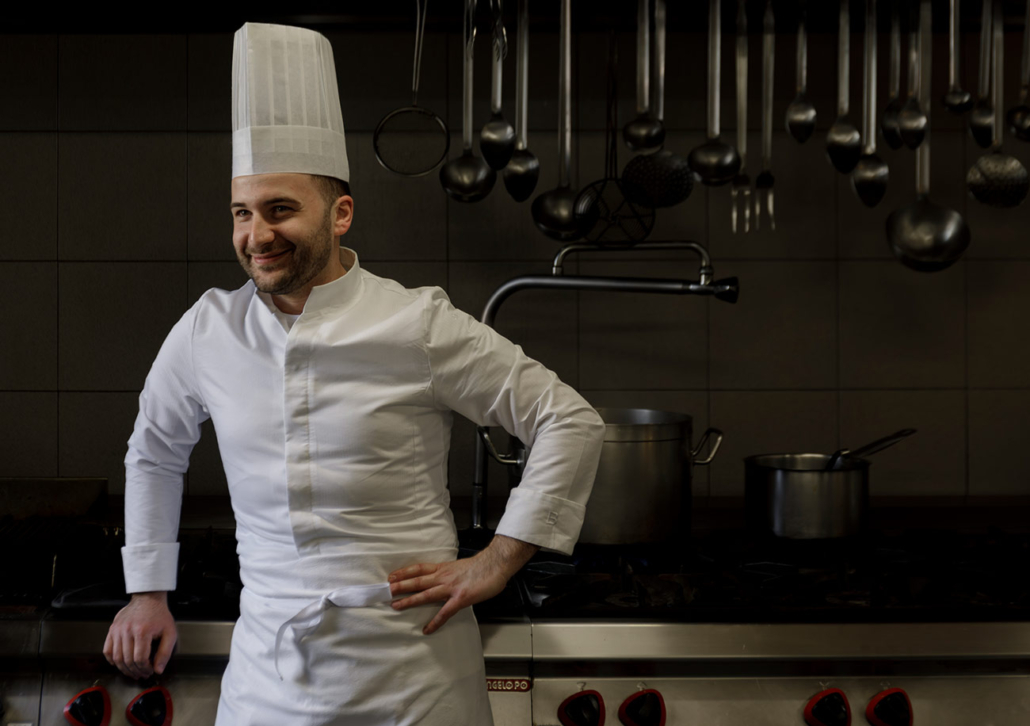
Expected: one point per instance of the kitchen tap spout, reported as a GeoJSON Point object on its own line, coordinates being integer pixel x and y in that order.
{"type": "Point", "coordinates": [725, 290]}
{"type": "Point", "coordinates": [569, 249]}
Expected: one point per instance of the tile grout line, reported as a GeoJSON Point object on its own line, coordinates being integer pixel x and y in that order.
{"type": "Point", "coordinates": [446, 202]}
{"type": "Point", "coordinates": [838, 316]}
{"type": "Point", "coordinates": [57, 204]}
{"type": "Point", "coordinates": [578, 137]}
{"type": "Point", "coordinates": [708, 356]}
{"type": "Point", "coordinates": [188, 482]}
{"type": "Point", "coordinates": [965, 331]}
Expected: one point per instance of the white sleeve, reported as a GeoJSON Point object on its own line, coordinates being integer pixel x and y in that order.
{"type": "Point", "coordinates": [167, 427]}
{"type": "Point", "coordinates": [490, 380]}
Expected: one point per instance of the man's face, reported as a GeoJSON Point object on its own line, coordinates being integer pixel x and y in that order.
{"type": "Point", "coordinates": [282, 235]}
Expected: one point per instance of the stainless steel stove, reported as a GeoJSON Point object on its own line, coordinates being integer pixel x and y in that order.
{"type": "Point", "coordinates": [737, 629]}
{"type": "Point", "coordinates": [729, 629]}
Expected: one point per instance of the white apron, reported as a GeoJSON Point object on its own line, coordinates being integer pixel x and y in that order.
{"type": "Point", "coordinates": [379, 668]}
{"type": "Point", "coordinates": [334, 436]}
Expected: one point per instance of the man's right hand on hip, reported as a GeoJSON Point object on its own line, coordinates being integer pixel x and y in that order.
{"type": "Point", "coordinates": [134, 628]}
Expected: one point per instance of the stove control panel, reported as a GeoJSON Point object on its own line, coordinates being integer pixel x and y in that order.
{"type": "Point", "coordinates": [585, 708]}
{"type": "Point", "coordinates": [645, 707]}
{"type": "Point", "coordinates": [666, 700]}
{"type": "Point", "coordinates": [828, 708]}
{"type": "Point", "coordinates": [889, 708]}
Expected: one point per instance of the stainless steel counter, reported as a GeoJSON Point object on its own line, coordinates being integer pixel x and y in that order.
{"type": "Point", "coordinates": [203, 639]}
{"type": "Point", "coordinates": [595, 640]}
{"type": "Point", "coordinates": [563, 640]}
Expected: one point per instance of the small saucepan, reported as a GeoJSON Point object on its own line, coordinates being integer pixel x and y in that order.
{"type": "Point", "coordinates": [811, 496]}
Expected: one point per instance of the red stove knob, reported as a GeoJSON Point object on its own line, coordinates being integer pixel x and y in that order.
{"type": "Point", "coordinates": [153, 707]}
{"type": "Point", "coordinates": [585, 708]}
{"type": "Point", "coordinates": [889, 708]}
{"type": "Point", "coordinates": [643, 708]}
{"type": "Point", "coordinates": [90, 707]}
{"type": "Point", "coordinates": [828, 708]}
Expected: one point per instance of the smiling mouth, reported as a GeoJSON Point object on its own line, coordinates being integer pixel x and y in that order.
{"type": "Point", "coordinates": [264, 259]}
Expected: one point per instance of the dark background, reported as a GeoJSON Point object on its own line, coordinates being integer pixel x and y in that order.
{"type": "Point", "coordinates": [115, 157]}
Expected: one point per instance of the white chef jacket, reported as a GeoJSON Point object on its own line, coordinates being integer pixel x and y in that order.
{"type": "Point", "coordinates": [334, 433]}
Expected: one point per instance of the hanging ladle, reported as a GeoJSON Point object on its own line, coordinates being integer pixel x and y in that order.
{"type": "Point", "coordinates": [715, 161]}
{"type": "Point", "coordinates": [660, 179]}
{"type": "Point", "coordinates": [870, 176]}
{"type": "Point", "coordinates": [840, 457]}
{"type": "Point", "coordinates": [843, 143]}
{"type": "Point", "coordinates": [497, 138]}
{"type": "Point", "coordinates": [801, 112]}
{"type": "Point", "coordinates": [997, 179]}
{"type": "Point", "coordinates": [645, 132]}
{"type": "Point", "coordinates": [955, 100]}
{"type": "Point", "coordinates": [889, 120]}
{"type": "Point", "coordinates": [523, 171]}
{"type": "Point", "coordinates": [555, 211]}
{"type": "Point", "coordinates": [467, 178]}
{"type": "Point", "coordinates": [981, 120]}
{"type": "Point", "coordinates": [923, 235]}
{"type": "Point", "coordinates": [912, 121]}
{"type": "Point", "coordinates": [1019, 116]}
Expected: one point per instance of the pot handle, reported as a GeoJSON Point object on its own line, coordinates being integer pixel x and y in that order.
{"type": "Point", "coordinates": [517, 459]}
{"type": "Point", "coordinates": [701, 444]}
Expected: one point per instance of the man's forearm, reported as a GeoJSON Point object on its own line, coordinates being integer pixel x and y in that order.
{"type": "Point", "coordinates": [508, 554]}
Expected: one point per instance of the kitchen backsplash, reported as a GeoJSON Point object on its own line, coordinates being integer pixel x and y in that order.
{"type": "Point", "coordinates": [115, 160]}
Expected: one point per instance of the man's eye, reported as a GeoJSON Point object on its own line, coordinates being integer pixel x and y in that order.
{"type": "Point", "coordinates": [275, 208]}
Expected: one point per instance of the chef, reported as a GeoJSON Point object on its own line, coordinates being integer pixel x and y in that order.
{"type": "Point", "coordinates": [331, 390]}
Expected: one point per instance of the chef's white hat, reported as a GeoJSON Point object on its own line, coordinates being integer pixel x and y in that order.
{"type": "Point", "coordinates": [285, 103]}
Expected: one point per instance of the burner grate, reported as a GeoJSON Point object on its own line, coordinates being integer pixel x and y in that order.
{"type": "Point", "coordinates": [732, 576]}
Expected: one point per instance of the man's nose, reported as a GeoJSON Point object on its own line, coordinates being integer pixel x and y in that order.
{"type": "Point", "coordinates": [260, 231]}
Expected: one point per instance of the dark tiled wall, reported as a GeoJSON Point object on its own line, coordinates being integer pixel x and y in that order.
{"type": "Point", "coordinates": [115, 153]}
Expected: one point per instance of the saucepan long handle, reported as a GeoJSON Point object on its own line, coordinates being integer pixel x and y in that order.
{"type": "Point", "coordinates": [701, 444]}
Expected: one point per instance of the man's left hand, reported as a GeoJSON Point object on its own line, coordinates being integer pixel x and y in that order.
{"type": "Point", "coordinates": [460, 583]}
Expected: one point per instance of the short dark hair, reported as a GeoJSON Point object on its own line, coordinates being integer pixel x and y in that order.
{"type": "Point", "coordinates": [330, 188]}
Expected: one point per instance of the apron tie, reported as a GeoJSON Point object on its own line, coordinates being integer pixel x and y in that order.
{"type": "Point", "coordinates": [310, 617]}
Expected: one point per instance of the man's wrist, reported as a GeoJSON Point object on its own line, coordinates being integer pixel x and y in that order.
{"type": "Point", "coordinates": [509, 553]}
{"type": "Point", "coordinates": [158, 595]}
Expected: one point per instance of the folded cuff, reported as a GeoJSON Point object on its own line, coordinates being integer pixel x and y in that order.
{"type": "Point", "coordinates": [551, 522]}
{"type": "Point", "coordinates": [151, 567]}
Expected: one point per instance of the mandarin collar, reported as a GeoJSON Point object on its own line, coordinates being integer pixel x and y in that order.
{"type": "Point", "coordinates": [332, 295]}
